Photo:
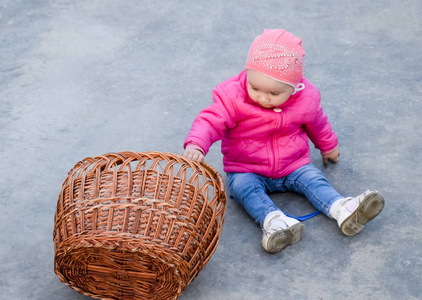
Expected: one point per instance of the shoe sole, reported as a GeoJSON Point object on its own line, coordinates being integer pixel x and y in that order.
{"type": "Point", "coordinates": [280, 239]}
{"type": "Point", "coordinates": [369, 208]}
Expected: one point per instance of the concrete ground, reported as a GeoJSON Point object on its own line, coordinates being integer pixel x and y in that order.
{"type": "Point", "coordinates": [83, 78]}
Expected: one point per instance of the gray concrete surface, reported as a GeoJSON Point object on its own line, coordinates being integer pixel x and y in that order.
{"type": "Point", "coordinates": [83, 78]}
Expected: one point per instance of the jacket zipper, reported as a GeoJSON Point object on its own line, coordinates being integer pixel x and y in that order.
{"type": "Point", "coordinates": [274, 148]}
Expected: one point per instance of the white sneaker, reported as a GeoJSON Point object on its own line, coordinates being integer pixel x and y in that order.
{"type": "Point", "coordinates": [367, 206]}
{"type": "Point", "coordinates": [280, 231]}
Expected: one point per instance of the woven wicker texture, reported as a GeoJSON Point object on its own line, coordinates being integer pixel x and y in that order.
{"type": "Point", "coordinates": [137, 225]}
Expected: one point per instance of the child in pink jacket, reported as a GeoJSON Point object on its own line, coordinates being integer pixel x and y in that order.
{"type": "Point", "coordinates": [264, 117]}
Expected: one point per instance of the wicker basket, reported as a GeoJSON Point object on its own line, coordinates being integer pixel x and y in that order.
{"type": "Point", "coordinates": [137, 225]}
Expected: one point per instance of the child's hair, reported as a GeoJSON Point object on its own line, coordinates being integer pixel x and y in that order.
{"type": "Point", "coordinates": [279, 54]}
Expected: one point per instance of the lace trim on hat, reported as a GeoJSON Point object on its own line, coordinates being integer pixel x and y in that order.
{"type": "Point", "coordinates": [299, 87]}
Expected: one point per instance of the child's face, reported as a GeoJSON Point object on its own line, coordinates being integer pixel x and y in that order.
{"type": "Point", "coordinates": [266, 91]}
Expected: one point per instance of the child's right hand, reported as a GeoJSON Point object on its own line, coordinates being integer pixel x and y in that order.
{"type": "Point", "coordinates": [194, 155]}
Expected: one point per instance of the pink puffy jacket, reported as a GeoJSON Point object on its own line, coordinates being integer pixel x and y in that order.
{"type": "Point", "coordinates": [268, 142]}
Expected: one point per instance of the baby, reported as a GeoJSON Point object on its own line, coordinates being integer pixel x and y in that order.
{"type": "Point", "coordinates": [264, 117]}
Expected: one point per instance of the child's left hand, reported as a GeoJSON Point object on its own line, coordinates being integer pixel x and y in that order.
{"type": "Point", "coordinates": [333, 156]}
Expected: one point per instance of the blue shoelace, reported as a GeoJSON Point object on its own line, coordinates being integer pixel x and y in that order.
{"type": "Point", "coordinates": [306, 217]}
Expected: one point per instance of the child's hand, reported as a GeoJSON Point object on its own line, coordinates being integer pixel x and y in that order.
{"type": "Point", "coordinates": [194, 155]}
{"type": "Point", "coordinates": [333, 156]}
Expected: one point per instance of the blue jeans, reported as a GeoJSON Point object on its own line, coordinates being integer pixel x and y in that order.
{"type": "Point", "coordinates": [251, 190]}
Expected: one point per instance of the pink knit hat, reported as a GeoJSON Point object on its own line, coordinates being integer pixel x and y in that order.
{"type": "Point", "coordinates": [279, 54]}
